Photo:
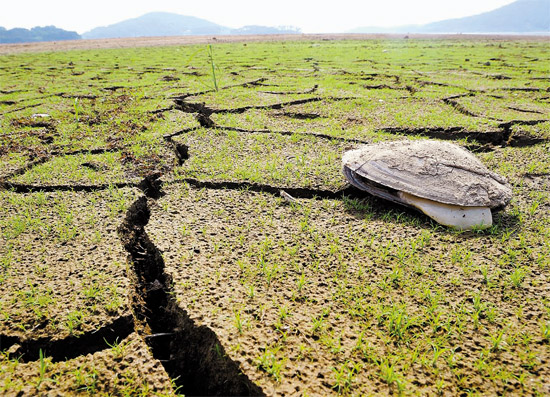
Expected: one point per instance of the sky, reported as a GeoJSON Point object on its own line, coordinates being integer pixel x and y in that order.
{"type": "Point", "coordinates": [312, 16]}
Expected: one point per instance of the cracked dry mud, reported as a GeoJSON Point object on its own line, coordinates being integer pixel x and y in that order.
{"type": "Point", "coordinates": [67, 271]}
{"type": "Point", "coordinates": [239, 261]}
{"type": "Point", "coordinates": [128, 370]}
{"type": "Point", "coordinates": [160, 237]}
{"type": "Point", "coordinates": [274, 159]}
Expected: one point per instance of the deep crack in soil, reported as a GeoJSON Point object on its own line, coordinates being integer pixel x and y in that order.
{"type": "Point", "coordinates": [524, 110]}
{"type": "Point", "coordinates": [24, 188]}
{"type": "Point", "coordinates": [309, 91]}
{"type": "Point", "coordinates": [28, 350]}
{"type": "Point", "coordinates": [256, 82]}
{"type": "Point", "coordinates": [192, 355]}
{"type": "Point", "coordinates": [290, 133]}
{"type": "Point", "coordinates": [21, 108]}
{"type": "Point", "coordinates": [192, 107]}
{"type": "Point", "coordinates": [457, 106]}
{"type": "Point", "coordinates": [22, 170]}
{"type": "Point", "coordinates": [504, 137]}
{"type": "Point", "coordinates": [47, 156]}
{"type": "Point", "coordinates": [296, 192]}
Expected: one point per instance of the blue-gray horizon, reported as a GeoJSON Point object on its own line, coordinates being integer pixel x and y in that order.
{"type": "Point", "coordinates": [309, 16]}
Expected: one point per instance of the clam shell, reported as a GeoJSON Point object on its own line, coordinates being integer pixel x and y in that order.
{"type": "Point", "coordinates": [434, 170]}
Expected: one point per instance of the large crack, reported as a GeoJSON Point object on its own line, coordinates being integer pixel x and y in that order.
{"type": "Point", "coordinates": [381, 87]}
{"type": "Point", "coordinates": [168, 137]}
{"type": "Point", "coordinates": [518, 139]}
{"type": "Point", "coordinates": [511, 123]}
{"type": "Point", "coordinates": [191, 354]}
{"type": "Point", "coordinates": [503, 137]}
{"type": "Point", "coordinates": [290, 133]}
{"type": "Point", "coordinates": [27, 350]}
{"type": "Point", "coordinates": [245, 84]}
{"type": "Point", "coordinates": [296, 192]}
{"type": "Point", "coordinates": [150, 186]}
{"type": "Point", "coordinates": [449, 133]}
{"type": "Point", "coordinates": [487, 140]}
{"type": "Point", "coordinates": [114, 88]}
{"type": "Point", "coordinates": [299, 115]}
{"type": "Point", "coordinates": [180, 150]}
{"type": "Point", "coordinates": [203, 113]}
{"type": "Point", "coordinates": [524, 110]}
{"type": "Point", "coordinates": [525, 89]}
{"type": "Point", "coordinates": [280, 105]}
{"type": "Point", "coordinates": [40, 98]}
{"type": "Point", "coordinates": [87, 151]}
{"type": "Point", "coordinates": [20, 108]}
{"type": "Point", "coordinates": [451, 101]}
{"type": "Point", "coordinates": [201, 108]}
{"type": "Point", "coordinates": [24, 188]}
{"type": "Point", "coordinates": [457, 106]}
{"type": "Point", "coordinates": [22, 170]}
{"type": "Point", "coordinates": [308, 91]}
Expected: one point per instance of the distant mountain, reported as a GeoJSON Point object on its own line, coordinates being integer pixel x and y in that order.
{"type": "Point", "coordinates": [168, 24]}
{"type": "Point", "coordinates": [45, 33]}
{"type": "Point", "coordinates": [521, 16]}
{"type": "Point", "coordinates": [157, 24]}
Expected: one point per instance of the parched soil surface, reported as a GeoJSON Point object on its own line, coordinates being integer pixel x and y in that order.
{"type": "Point", "coordinates": [165, 229]}
{"type": "Point", "coordinates": [64, 264]}
{"type": "Point", "coordinates": [190, 40]}
{"type": "Point", "coordinates": [303, 294]}
{"type": "Point", "coordinates": [126, 368]}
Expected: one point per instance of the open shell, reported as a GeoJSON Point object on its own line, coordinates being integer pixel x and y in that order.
{"type": "Point", "coordinates": [438, 178]}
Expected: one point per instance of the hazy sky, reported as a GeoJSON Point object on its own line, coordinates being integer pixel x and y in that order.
{"type": "Point", "coordinates": [312, 16]}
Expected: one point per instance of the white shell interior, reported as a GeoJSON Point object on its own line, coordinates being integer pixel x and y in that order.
{"type": "Point", "coordinates": [461, 218]}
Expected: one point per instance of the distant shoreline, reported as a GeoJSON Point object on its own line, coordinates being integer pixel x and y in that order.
{"type": "Point", "coordinates": [157, 41]}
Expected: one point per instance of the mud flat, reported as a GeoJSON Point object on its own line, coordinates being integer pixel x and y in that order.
{"type": "Point", "coordinates": [190, 40]}
{"type": "Point", "coordinates": [162, 236]}
{"type": "Point", "coordinates": [300, 294]}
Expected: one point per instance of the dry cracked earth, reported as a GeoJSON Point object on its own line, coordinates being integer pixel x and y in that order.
{"type": "Point", "coordinates": [236, 260]}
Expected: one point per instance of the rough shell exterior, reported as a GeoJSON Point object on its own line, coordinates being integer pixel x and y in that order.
{"type": "Point", "coordinates": [438, 171]}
